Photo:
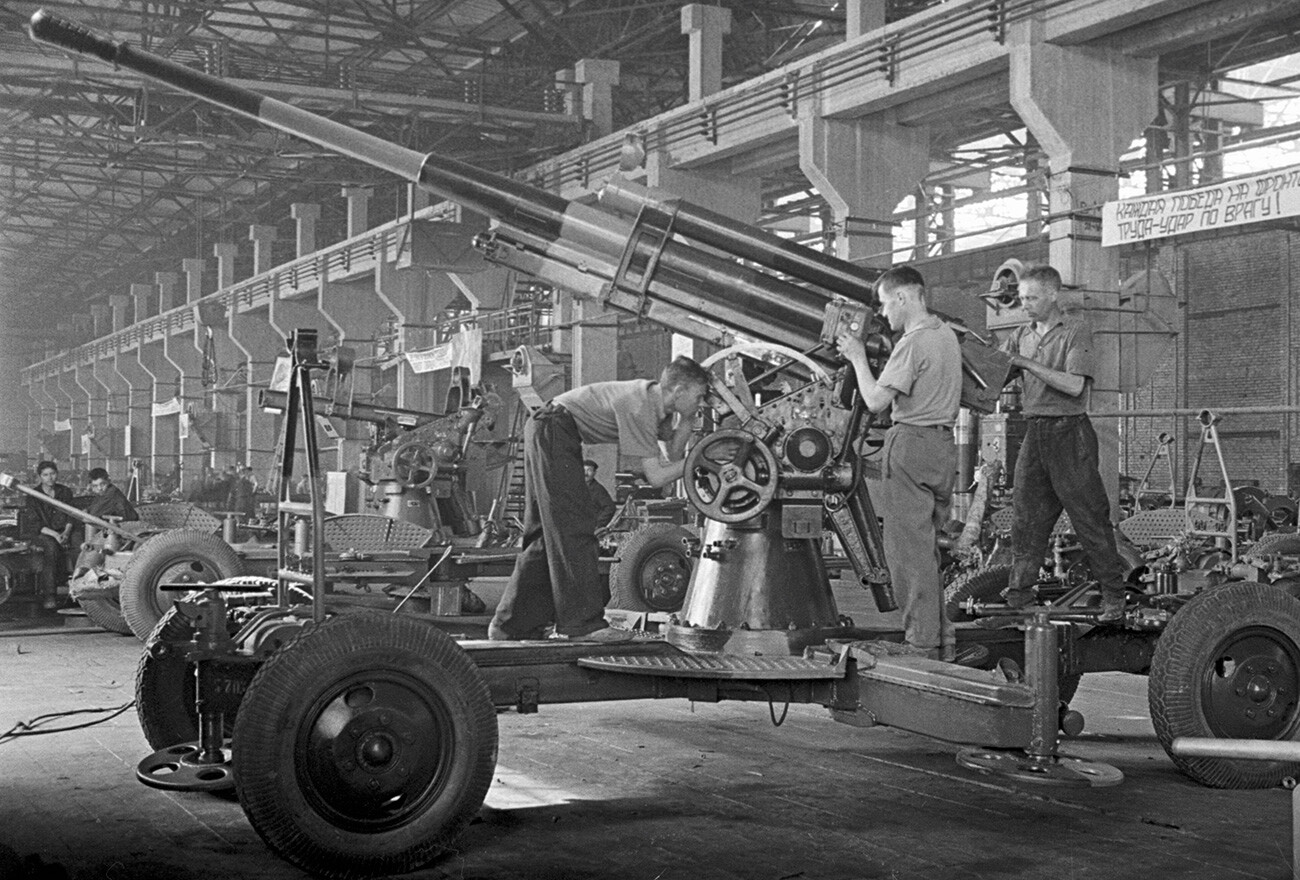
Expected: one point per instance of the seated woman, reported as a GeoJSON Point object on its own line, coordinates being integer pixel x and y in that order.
{"type": "Point", "coordinates": [49, 529]}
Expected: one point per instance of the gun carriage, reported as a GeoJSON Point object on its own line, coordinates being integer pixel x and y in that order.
{"type": "Point", "coordinates": [364, 743]}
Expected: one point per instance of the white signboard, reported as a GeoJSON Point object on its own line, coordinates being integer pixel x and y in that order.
{"type": "Point", "coordinates": [464, 350]}
{"type": "Point", "coordinates": [167, 407]}
{"type": "Point", "coordinates": [1268, 196]}
{"type": "Point", "coordinates": [63, 424]}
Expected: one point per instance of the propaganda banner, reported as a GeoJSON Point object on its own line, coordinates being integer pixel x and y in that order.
{"type": "Point", "coordinates": [1272, 195]}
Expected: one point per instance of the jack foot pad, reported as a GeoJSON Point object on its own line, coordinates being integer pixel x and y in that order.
{"type": "Point", "coordinates": [1054, 770]}
{"type": "Point", "coordinates": [177, 768]}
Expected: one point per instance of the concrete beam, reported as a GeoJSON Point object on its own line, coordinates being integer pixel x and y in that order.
{"type": "Point", "coordinates": [170, 292]}
{"type": "Point", "coordinates": [145, 299]}
{"type": "Point", "coordinates": [863, 168]}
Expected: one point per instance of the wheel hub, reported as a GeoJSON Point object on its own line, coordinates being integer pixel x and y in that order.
{"type": "Point", "coordinates": [1251, 691]}
{"type": "Point", "coordinates": [361, 759]}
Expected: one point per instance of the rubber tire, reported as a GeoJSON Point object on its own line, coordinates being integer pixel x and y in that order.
{"type": "Point", "coordinates": [107, 614]}
{"type": "Point", "coordinates": [164, 679]}
{"type": "Point", "coordinates": [1287, 544]}
{"type": "Point", "coordinates": [981, 584]}
{"type": "Point", "coordinates": [651, 543]}
{"type": "Point", "coordinates": [164, 685]}
{"type": "Point", "coordinates": [1186, 659]}
{"type": "Point", "coordinates": [273, 757]}
{"type": "Point", "coordinates": [142, 603]}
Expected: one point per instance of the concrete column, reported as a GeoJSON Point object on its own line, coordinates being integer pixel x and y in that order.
{"type": "Point", "coordinates": [404, 293]}
{"type": "Point", "coordinates": [263, 239]}
{"type": "Point", "coordinates": [225, 252]}
{"type": "Point", "coordinates": [736, 196]}
{"type": "Point", "coordinates": [598, 77]}
{"type": "Point", "coordinates": [352, 310]}
{"type": "Point", "coordinates": [76, 406]}
{"type": "Point", "coordinates": [863, 168]}
{"type": "Point", "coordinates": [212, 335]}
{"type": "Point", "coordinates": [416, 198]}
{"type": "Point", "coordinates": [259, 344]}
{"type": "Point", "coordinates": [164, 446]}
{"type": "Point", "coordinates": [96, 414]}
{"type": "Point", "coordinates": [706, 25]}
{"type": "Point", "coordinates": [1084, 106]}
{"type": "Point", "coordinates": [863, 17]}
{"type": "Point", "coordinates": [139, 407]}
{"type": "Point", "coordinates": [109, 436]}
{"type": "Point", "coordinates": [305, 214]}
{"type": "Point", "coordinates": [170, 292]}
{"type": "Point", "coordinates": [193, 269]}
{"type": "Point", "coordinates": [101, 317]}
{"type": "Point", "coordinates": [48, 410]}
{"type": "Point", "coordinates": [120, 304]}
{"type": "Point", "coordinates": [145, 298]}
{"type": "Point", "coordinates": [180, 351]}
{"type": "Point", "coordinates": [358, 208]}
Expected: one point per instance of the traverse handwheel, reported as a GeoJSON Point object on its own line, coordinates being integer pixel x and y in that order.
{"type": "Point", "coordinates": [731, 476]}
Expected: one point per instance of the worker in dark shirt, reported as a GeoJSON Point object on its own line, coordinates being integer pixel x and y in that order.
{"type": "Point", "coordinates": [109, 500]}
{"type": "Point", "coordinates": [600, 500]}
{"type": "Point", "coordinates": [48, 530]}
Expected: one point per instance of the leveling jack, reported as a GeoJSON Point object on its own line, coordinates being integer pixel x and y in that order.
{"type": "Point", "coordinates": [1040, 761]}
{"type": "Point", "coordinates": [205, 764]}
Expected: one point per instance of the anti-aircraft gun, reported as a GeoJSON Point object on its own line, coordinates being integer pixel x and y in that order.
{"type": "Point", "coordinates": [413, 457]}
{"type": "Point", "coordinates": [370, 742]}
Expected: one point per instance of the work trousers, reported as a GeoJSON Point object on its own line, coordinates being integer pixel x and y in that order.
{"type": "Point", "coordinates": [918, 468]}
{"type": "Point", "coordinates": [54, 565]}
{"type": "Point", "coordinates": [1057, 470]}
{"type": "Point", "coordinates": [556, 576]}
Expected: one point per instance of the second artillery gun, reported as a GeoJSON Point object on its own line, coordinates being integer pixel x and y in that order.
{"type": "Point", "coordinates": [364, 743]}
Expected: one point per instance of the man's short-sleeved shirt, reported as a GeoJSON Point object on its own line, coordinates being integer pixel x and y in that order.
{"type": "Point", "coordinates": [925, 370]}
{"type": "Point", "coordinates": [629, 413]}
{"type": "Point", "coordinates": [1067, 347]}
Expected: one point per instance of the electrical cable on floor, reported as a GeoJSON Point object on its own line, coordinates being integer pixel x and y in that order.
{"type": "Point", "coordinates": [29, 728]}
{"type": "Point", "coordinates": [771, 707]}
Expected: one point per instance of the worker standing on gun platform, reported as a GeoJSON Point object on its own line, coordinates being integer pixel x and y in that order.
{"type": "Point", "coordinates": [922, 380]}
{"type": "Point", "coordinates": [556, 578]}
{"type": "Point", "coordinates": [1057, 465]}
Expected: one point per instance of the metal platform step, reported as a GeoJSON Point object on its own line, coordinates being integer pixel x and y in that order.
{"type": "Point", "coordinates": [718, 666]}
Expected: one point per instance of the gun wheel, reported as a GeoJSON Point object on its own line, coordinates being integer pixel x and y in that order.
{"type": "Point", "coordinates": [653, 569]}
{"type": "Point", "coordinates": [731, 476]}
{"type": "Point", "coordinates": [180, 556]}
{"type": "Point", "coordinates": [365, 746]}
{"type": "Point", "coordinates": [1228, 666]}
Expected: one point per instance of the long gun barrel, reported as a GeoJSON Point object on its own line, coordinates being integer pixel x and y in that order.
{"type": "Point", "coordinates": [651, 266]}
{"type": "Point", "coordinates": [351, 412]}
{"type": "Point", "coordinates": [8, 481]}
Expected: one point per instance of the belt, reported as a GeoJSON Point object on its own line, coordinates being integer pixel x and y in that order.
{"type": "Point", "coordinates": [1055, 418]}
{"type": "Point", "coordinates": [939, 427]}
{"type": "Point", "coordinates": [551, 409]}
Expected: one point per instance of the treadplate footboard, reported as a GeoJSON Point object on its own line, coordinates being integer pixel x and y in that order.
{"type": "Point", "coordinates": [719, 666]}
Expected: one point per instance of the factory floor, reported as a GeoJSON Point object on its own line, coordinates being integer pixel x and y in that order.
{"type": "Point", "coordinates": [655, 790]}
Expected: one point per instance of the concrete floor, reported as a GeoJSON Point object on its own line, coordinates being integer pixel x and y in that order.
{"type": "Point", "coordinates": [654, 790]}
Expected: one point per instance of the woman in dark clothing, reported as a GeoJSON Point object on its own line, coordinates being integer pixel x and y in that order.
{"type": "Point", "coordinates": [49, 529]}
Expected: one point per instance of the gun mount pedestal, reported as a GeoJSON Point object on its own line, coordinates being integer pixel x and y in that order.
{"type": "Point", "coordinates": [755, 591]}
